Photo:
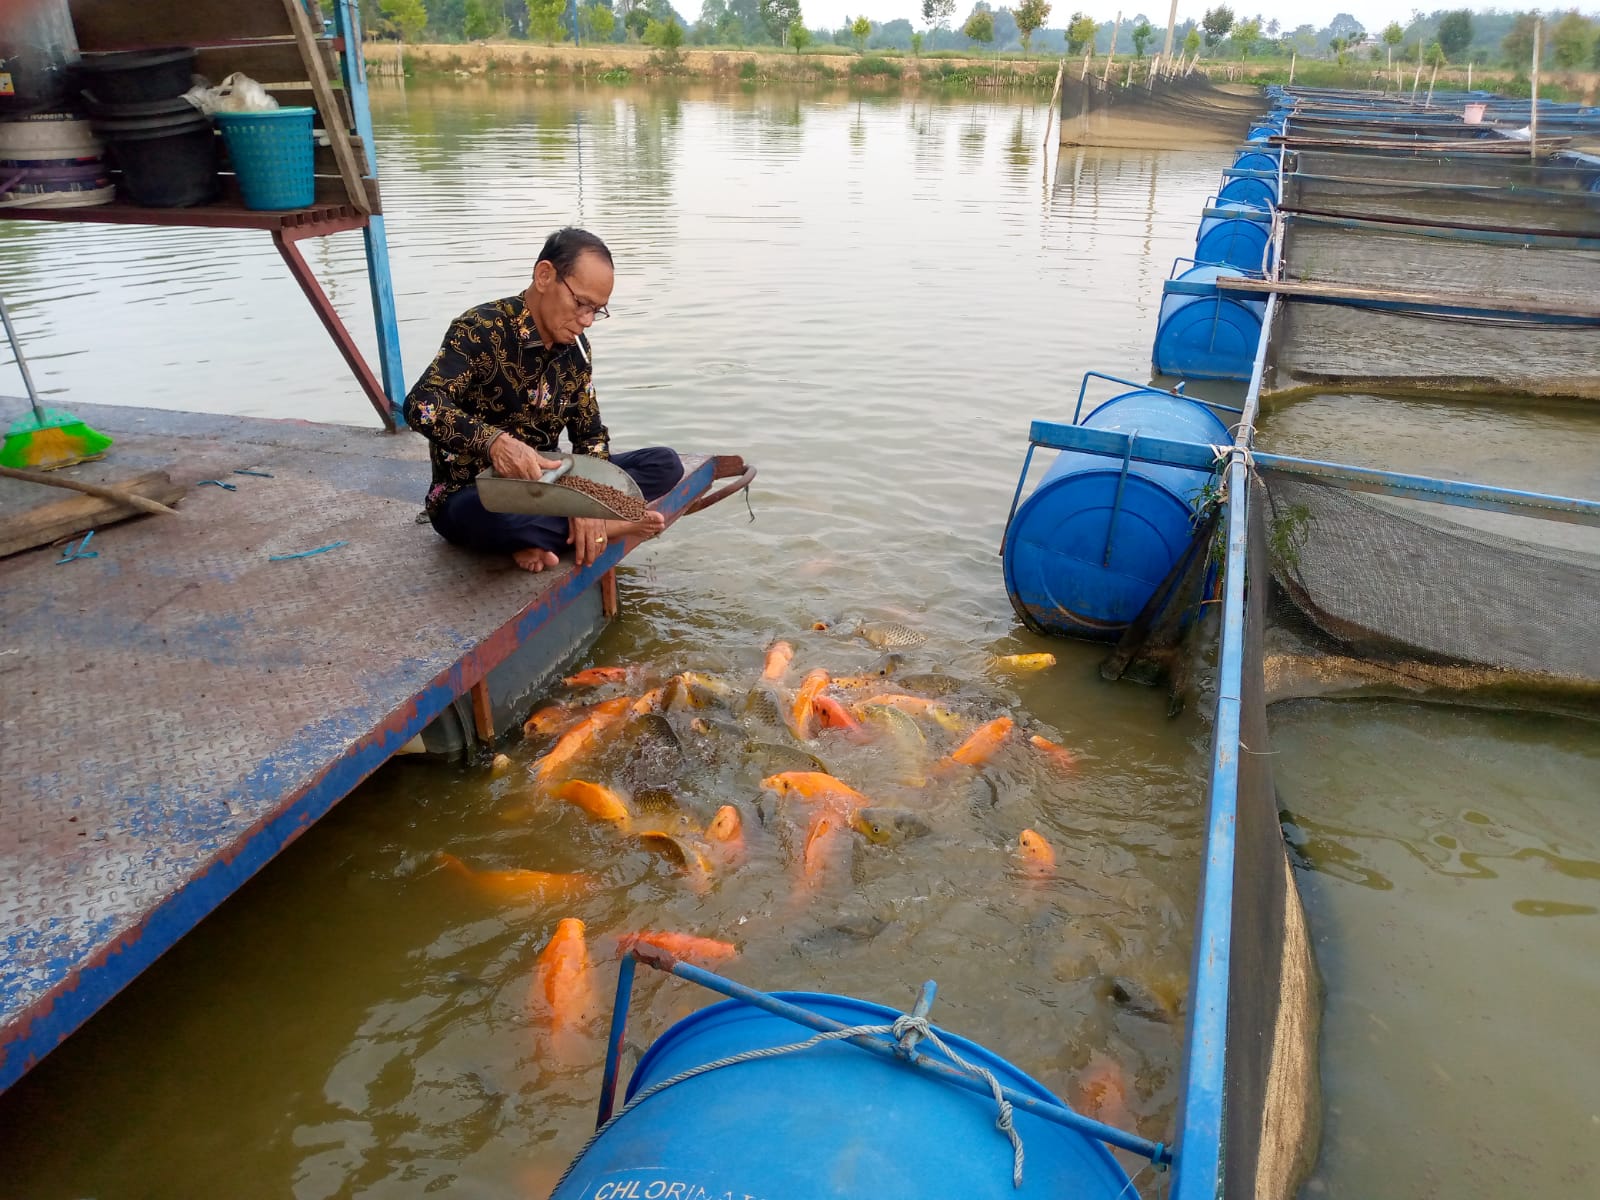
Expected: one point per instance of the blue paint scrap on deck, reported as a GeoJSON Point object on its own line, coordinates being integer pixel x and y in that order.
{"type": "Point", "coordinates": [182, 707]}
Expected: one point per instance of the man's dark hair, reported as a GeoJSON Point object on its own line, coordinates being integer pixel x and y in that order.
{"type": "Point", "coordinates": [562, 248]}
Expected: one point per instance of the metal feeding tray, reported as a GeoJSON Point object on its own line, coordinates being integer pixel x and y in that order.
{"type": "Point", "coordinates": [544, 497]}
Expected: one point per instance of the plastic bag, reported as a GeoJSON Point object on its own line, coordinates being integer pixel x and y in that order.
{"type": "Point", "coordinates": [236, 93]}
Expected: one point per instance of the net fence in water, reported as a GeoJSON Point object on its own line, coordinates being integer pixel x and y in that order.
{"type": "Point", "coordinates": [1377, 596]}
{"type": "Point", "coordinates": [1450, 204]}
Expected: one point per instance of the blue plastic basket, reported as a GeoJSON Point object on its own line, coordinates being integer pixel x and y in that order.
{"type": "Point", "coordinates": [271, 153]}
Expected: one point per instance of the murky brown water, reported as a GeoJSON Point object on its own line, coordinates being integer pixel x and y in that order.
{"type": "Point", "coordinates": [868, 298]}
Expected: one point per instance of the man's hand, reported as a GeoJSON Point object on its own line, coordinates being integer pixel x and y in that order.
{"type": "Point", "coordinates": [588, 538]}
{"type": "Point", "coordinates": [512, 459]}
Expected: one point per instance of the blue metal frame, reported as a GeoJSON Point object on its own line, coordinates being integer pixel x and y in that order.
{"type": "Point", "coordinates": [904, 1052]}
{"type": "Point", "coordinates": [353, 66]}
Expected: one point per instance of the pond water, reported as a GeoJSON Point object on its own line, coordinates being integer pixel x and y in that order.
{"type": "Point", "coordinates": [870, 298]}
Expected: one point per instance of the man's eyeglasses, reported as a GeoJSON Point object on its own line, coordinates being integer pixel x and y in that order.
{"type": "Point", "coordinates": [597, 311]}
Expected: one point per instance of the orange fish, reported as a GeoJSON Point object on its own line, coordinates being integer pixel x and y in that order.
{"type": "Point", "coordinates": [802, 718]}
{"type": "Point", "coordinates": [563, 991]}
{"type": "Point", "coordinates": [551, 718]}
{"type": "Point", "coordinates": [1059, 755]}
{"type": "Point", "coordinates": [814, 785]}
{"type": "Point", "coordinates": [981, 746]}
{"type": "Point", "coordinates": [821, 837]}
{"type": "Point", "coordinates": [779, 656]}
{"type": "Point", "coordinates": [833, 715]}
{"type": "Point", "coordinates": [682, 945]}
{"type": "Point", "coordinates": [595, 676]}
{"type": "Point", "coordinates": [916, 706]}
{"type": "Point", "coordinates": [517, 885]}
{"type": "Point", "coordinates": [1101, 1091]}
{"type": "Point", "coordinates": [727, 831]}
{"type": "Point", "coordinates": [648, 702]}
{"type": "Point", "coordinates": [601, 803]}
{"type": "Point", "coordinates": [577, 739]}
{"type": "Point", "coordinates": [1038, 858]}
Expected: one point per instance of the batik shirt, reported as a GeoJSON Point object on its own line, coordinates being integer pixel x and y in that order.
{"type": "Point", "coordinates": [493, 375]}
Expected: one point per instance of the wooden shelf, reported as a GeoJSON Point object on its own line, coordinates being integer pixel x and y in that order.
{"type": "Point", "coordinates": [316, 221]}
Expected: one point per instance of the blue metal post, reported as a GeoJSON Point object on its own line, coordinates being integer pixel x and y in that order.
{"type": "Point", "coordinates": [619, 1030]}
{"type": "Point", "coordinates": [354, 68]}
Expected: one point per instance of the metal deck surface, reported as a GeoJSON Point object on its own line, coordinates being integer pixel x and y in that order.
{"type": "Point", "coordinates": [176, 710]}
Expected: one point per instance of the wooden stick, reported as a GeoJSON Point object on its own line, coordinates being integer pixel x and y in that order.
{"type": "Point", "coordinates": [338, 133]}
{"type": "Point", "coordinates": [120, 495]}
{"type": "Point", "coordinates": [1533, 111]}
{"type": "Point", "coordinates": [1112, 53]}
{"type": "Point", "coordinates": [1432, 79]}
{"type": "Point", "coordinates": [1355, 291]}
{"type": "Point", "coordinates": [1055, 95]}
{"type": "Point", "coordinates": [1294, 56]}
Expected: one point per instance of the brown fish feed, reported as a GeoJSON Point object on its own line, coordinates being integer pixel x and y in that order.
{"type": "Point", "coordinates": [629, 508]}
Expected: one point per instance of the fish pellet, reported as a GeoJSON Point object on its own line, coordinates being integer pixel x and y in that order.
{"type": "Point", "coordinates": [629, 508]}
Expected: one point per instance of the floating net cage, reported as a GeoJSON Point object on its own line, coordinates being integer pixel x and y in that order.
{"type": "Point", "coordinates": [1532, 208]}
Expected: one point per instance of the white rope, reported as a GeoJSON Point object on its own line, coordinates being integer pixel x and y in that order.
{"type": "Point", "coordinates": [902, 1026]}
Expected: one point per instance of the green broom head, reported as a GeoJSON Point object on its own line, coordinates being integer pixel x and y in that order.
{"type": "Point", "coordinates": [52, 439]}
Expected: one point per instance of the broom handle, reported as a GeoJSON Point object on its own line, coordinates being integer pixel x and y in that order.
{"type": "Point", "coordinates": [120, 495]}
{"type": "Point", "coordinates": [22, 363]}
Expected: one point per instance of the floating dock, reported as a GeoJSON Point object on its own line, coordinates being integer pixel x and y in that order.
{"type": "Point", "coordinates": [182, 705]}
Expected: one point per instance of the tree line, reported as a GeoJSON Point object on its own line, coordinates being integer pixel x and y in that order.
{"type": "Point", "coordinates": [1572, 40]}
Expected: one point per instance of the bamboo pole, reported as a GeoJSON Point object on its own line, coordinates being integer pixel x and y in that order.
{"type": "Point", "coordinates": [1469, 74]}
{"type": "Point", "coordinates": [1111, 54]}
{"type": "Point", "coordinates": [1294, 55]}
{"type": "Point", "coordinates": [100, 490]}
{"type": "Point", "coordinates": [1433, 79]}
{"type": "Point", "coordinates": [1055, 95]}
{"type": "Point", "coordinates": [1416, 81]}
{"type": "Point", "coordinates": [1172, 22]}
{"type": "Point", "coordinates": [1086, 55]}
{"type": "Point", "coordinates": [1533, 111]}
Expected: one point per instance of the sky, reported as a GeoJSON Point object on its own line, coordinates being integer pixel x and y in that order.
{"type": "Point", "coordinates": [1373, 14]}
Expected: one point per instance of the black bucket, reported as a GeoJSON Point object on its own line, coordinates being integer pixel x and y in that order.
{"type": "Point", "coordinates": [137, 76]}
{"type": "Point", "coordinates": [167, 161]}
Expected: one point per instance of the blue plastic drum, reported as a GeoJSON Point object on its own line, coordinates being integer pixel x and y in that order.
{"type": "Point", "coordinates": [832, 1121]}
{"type": "Point", "coordinates": [1087, 550]}
{"type": "Point", "coordinates": [1235, 242]}
{"type": "Point", "coordinates": [1204, 334]}
{"type": "Point", "coordinates": [1263, 193]}
{"type": "Point", "coordinates": [1256, 160]}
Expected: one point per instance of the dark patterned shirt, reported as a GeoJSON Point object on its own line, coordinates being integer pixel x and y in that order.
{"type": "Point", "coordinates": [492, 376]}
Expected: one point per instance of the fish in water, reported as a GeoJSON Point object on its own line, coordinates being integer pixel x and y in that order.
{"type": "Point", "coordinates": [900, 734]}
{"type": "Point", "coordinates": [551, 718]}
{"type": "Point", "coordinates": [726, 832]}
{"type": "Point", "coordinates": [887, 635]}
{"type": "Point", "coordinates": [930, 683]}
{"type": "Point", "coordinates": [692, 689]}
{"type": "Point", "coordinates": [599, 802]}
{"type": "Point", "coordinates": [563, 992]}
{"type": "Point", "coordinates": [579, 738]}
{"type": "Point", "coordinates": [764, 704]}
{"type": "Point", "coordinates": [1038, 856]}
{"type": "Point", "coordinates": [1059, 756]}
{"type": "Point", "coordinates": [771, 757]}
{"type": "Point", "coordinates": [978, 749]}
{"type": "Point", "coordinates": [1101, 1092]}
{"type": "Point", "coordinates": [802, 718]}
{"type": "Point", "coordinates": [888, 826]}
{"type": "Point", "coordinates": [916, 706]}
{"type": "Point", "coordinates": [680, 945]}
{"type": "Point", "coordinates": [779, 656]}
{"type": "Point", "coordinates": [821, 837]}
{"type": "Point", "coordinates": [817, 787]}
{"type": "Point", "coordinates": [683, 854]}
{"type": "Point", "coordinates": [516, 885]}
{"type": "Point", "coordinates": [1022, 662]}
{"type": "Point", "coordinates": [831, 714]}
{"type": "Point", "coordinates": [873, 676]}
{"type": "Point", "coordinates": [649, 702]}
{"type": "Point", "coordinates": [596, 676]}
{"type": "Point", "coordinates": [1148, 1002]}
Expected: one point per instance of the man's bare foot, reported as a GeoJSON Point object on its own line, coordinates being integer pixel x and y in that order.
{"type": "Point", "coordinates": [652, 524]}
{"type": "Point", "coordinates": [534, 559]}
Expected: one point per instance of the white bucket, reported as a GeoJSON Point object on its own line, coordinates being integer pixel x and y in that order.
{"type": "Point", "coordinates": [1473, 113]}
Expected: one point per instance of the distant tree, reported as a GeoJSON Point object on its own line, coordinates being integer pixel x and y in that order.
{"type": "Point", "coordinates": [545, 21]}
{"type": "Point", "coordinates": [480, 19]}
{"type": "Point", "coordinates": [860, 31]}
{"type": "Point", "coordinates": [1570, 40]}
{"type": "Point", "coordinates": [936, 14]}
{"type": "Point", "coordinates": [636, 20]}
{"type": "Point", "coordinates": [1517, 45]}
{"type": "Point", "coordinates": [409, 16]}
{"type": "Point", "coordinates": [1337, 45]}
{"type": "Point", "coordinates": [799, 35]}
{"type": "Point", "coordinates": [777, 16]}
{"type": "Point", "coordinates": [664, 35]}
{"type": "Point", "coordinates": [1347, 27]}
{"type": "Point", "coordinates": [1216, 23]}
{"type": "Point", "coordinates": [1191, 42]}
{"type": "Point", "coordinates": [1392, 34]}
{"type": "Point", "coordinates": [597, 22]}
{"type": "Point", "coordinates": [1142, 33]}
{"type": "Point", "coordinates": [1030, 16]}
{"type": "Point", "coordinates": [1245, 36]}
{"type": "Point", "coordinates": [1272, 27]}
{"type": "Point", "coordinates": [916, 42]}
{"type": "Point", "coordinates": [980, 26]}
{"type": "Point", "coordinates": [1080, 32]}
{"type": "Point", "coordinates": [1455, 32]}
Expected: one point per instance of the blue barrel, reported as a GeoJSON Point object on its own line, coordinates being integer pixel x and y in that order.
{"type": "Point", "coordinates": [1086, 551]}
{"type": "Point", "coordinates": [1203, 334]}
{"type": "Point", "coordinates": [1256, 160]}
{"type": "Point", "coordinates": [1236, 242]}
{"type": "Point", "coordinates": [1263, 193]}
{"type": "Point", "coordinates": [830, 1121]}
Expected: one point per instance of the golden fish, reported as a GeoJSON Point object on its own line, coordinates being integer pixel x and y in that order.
{"type": "Point", "coordinates": [1059, 755]}
{"type": "Point", "coordinates": [515, 884]}
{"type": "Point", "coordinates": [601, 803]}
{"type": "Point", "coordinates": [1022, 662]}
{"type": "Point", "coordinates": [779, 656]}
{"type": "Point", "coordinates": [562, 995]}
{"type": "Point", "coordinates": [577, 739]}
{"type": "Point", "coordinates": [595, 676]}
{"type": "Point", "coordinates": [981, 746]}
{"type": "Point", "coordinates": [916, 706]}
{"type": "Point", "coordinates": [802, 719]}
{"type": "Point", "coordinates": [679, 945]}
{"type": "Point", "coordinates": [1038, 857]}
{"type": "Point", "coordinates": [813, 785]}
{"type": "Point", "coordinates": [727, 832]}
